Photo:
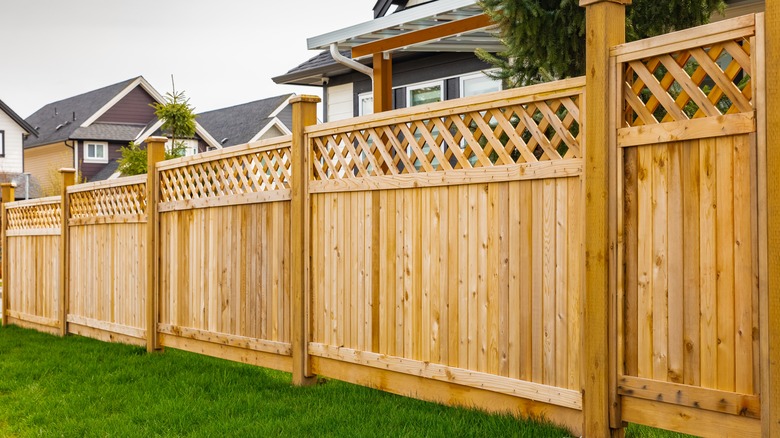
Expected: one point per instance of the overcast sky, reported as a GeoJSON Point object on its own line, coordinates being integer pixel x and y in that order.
{"type": "Point", "coordinates": [221, 53]}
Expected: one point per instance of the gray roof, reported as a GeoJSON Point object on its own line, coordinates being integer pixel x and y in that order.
{"type": "Point", "coordinates": [310, 71]}
{"type": "Point", "coordinates": [19, 121]}
{"type": "Point", "coordinates": [108, 132]}
{"type": "Point", "coordinates": [239, 124]}
{"type": "Point", "coordinates": [104, 173]}
{"type": "Point", "coordinates": [61, 114]}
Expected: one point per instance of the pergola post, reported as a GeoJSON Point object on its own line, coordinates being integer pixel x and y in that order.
{"type": "Point", "coordinates": [605, 27]}
{"type": "Point", "coordinates": [383, 82]}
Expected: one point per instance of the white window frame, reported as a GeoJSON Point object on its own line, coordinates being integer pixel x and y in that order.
{"type": "Point", "coordinates": [2, 143]}
{"type": "Point", "coordinates": [188, 151]}
{"type": "Point", "coordinates": [88, 159]}
{"type": "Point", "coordinates": [479, 74]}
{"type": "Point", "coordinates": [363, 97]}
{"type": "Point", "coordinates": [410, 88]}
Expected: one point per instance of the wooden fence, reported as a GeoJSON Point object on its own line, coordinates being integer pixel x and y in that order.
{"type": "Point", "coordinates": [440, 251]}
{"type": "Point", "coordinates": [688, 150]}
{"type": "Point", "coordinates": [225, 253]}
{"type": "Point", "coordinates": [446, 244]}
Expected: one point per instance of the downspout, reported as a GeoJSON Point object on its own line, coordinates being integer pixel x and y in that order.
{"type": "Point", "coordinates": [351, 63]}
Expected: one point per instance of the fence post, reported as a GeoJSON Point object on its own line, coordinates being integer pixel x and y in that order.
{"type": "Point", "coordinates": [770, 329]}
{"type": "Point", "coordinates": [605, 27]}
{"type": "Point", "coordinates": [304, 113]}
{"type": "Point", "coordinates": [68, 179]}
{"type": "Point", "coordinates": [8, 196]}
{"type": "Point", "coordinates": [155, 152]}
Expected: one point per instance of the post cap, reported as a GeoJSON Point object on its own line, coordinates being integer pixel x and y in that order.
{"type": "Point", "coordinates": [156, 139]}
{"type": "Point", "coordinates": [305, 98]}
{"type": "Point", "coordinates": [584, 3]}
{"type": "Point", "coordinates": [67, 170]}
{"type": "Point", "coordinates": [8, 184]}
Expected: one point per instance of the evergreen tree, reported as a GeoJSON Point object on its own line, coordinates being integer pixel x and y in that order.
{"type": "Point", "coordinates": [178, 123]}
{"type": "Point", "coordinates": [545, 39]}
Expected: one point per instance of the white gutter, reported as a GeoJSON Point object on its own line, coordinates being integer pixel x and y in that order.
{"type": "Point", "coordinates": [349, 62]}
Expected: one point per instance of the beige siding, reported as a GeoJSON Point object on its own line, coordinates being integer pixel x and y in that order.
{"type": "Point", "coordinates": [272, 132]}
{"type": "Point", "coordinates": [339, 102]}
{"type": "Point", "coordinates": [43, 162]}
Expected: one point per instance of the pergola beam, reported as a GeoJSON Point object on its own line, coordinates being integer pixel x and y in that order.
{"type": "Point", "coordinates": [433, 33]}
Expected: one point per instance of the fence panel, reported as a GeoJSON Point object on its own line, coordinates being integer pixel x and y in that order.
{"type": "Point", "coordinates": [33, 281]}
{"type": "Point", "coordinates": [447, 245]}
{"type": "Point", "coordinates": [225, 253]}
{"type": "Point", "coordinates": [107, 260]}
{"type": "Point", "coordinates": [688, 151]}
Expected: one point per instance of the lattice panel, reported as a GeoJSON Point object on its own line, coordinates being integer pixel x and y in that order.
{"type": "Point", "coordinates": [109, 201]}
{"type": "Point", "coordinates": [32, 217]}
{"type": "Point", "coordinates": [253, 172]}
{"type": "Point", "coordinates": [689, 84]}
{"type": "Point", "coordinates": [483, 137]}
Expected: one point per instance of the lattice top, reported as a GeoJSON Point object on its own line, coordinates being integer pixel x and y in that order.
{"type": "Point", "coordinates": [232, 171]}
{"type": "Point", "coordinates": [707, 81]}
{"type": "Point", "coordinates": [502, 131]}
{"type": "Point", "coordinates": [126, 196]}
{"type": "Point", "coordinates": [42, 213]}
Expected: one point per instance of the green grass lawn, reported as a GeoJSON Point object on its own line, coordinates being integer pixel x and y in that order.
{"type": "Point", "coordinates": [81, 387]}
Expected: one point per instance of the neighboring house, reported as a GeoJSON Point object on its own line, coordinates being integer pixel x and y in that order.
{"type": "Point", "coordinates": [87, 131]}
{"type": "Point", "coordinates": [427, 66]}
{"type": "Point", "coordinates": [248, 122]}
{"type": "Point", "coordinates": [13, 131]}
{"type": "Point", "coordinates": [421, 74]}
{"type": "Point", "coordinates": [735, 8]}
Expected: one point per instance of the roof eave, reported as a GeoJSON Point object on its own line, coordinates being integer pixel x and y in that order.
{"type": "Point", "coordinates": [419, 12]}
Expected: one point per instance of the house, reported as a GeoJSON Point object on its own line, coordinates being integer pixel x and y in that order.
{"type": "Point", "coordinates": [425, 68]}
{"type": "Point", "coordinates": [422, 51]}
{"type": "Point", "coordinates": [13, 131]}
{"type": "Point", "coordinates": [87, 131]}
{"type": "Point", "coordinates": [248, 122]}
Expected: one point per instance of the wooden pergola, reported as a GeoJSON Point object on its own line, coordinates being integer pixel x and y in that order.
{"type": "Point", "coordinates": [441, 26]}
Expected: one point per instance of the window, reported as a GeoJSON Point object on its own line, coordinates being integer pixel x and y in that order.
{"type": "Point", "coordinates": [422, 94]}
{"type": "Point", "coordinates": [96, 152]}
{"type": "Point", "coordinates": [2, 143]}
{"type": "Point", "coordinates": [190, 146]}
{"type": "Point", "coordinates": [366, 104]}
{"type": "Point", "coordinates": [478, 83]}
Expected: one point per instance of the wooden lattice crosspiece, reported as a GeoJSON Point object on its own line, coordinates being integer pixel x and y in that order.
{"type": "Point", "coordinates": [32, 217]}
{"type": "Point", "coordinates": [121, 200]}
{"type": "Point", "coordinates": [688, 84]}
{"type": "Point", "coordinates": [484, 136]}
{"type": "Point", "coordinates": [255, 171]}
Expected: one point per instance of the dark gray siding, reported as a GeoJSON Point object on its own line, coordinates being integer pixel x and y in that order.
{"type": "Point", "coordinates": [416, 69]}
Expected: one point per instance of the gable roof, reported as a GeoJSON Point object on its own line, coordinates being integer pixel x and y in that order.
{"type": "Point", "coordinates": [243, 123]}
{"type": "Point", "coordinates": [56, 121]}
{"type": "Point", "coordinates": [76, 117]}
{"type": "Point", "coordinates": [19, 121]}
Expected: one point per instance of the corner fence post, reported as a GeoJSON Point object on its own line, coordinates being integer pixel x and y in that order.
{"type": "Point", "coordinates": [68, 179]}
{"type": "Point", "coordinates": [605, 27]}
{"type": "Point", "coordinates": [770, 327]}
{"type": "Point", "coordinates": [8, 196]}
{"type": "Point", "coordinates": [155, 152]}
{"type": "Point", "coordinates": [304, 113]}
